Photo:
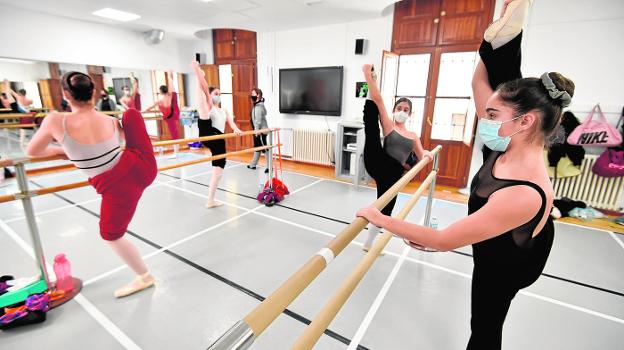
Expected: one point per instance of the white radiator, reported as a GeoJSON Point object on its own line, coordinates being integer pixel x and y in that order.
{"type": "Point", "coordinates": [596, 191]}
{"type": "Point", "coordinates": [313, 146]}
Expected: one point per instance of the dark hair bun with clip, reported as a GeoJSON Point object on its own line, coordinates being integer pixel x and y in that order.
{"type": "Point", "coordinates": [79, 85]}
{"type": "Point", "coordinates": [547, 95]}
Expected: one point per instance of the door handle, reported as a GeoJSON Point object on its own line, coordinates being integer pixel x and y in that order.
{"type": "Point", "coordinates": [436, 20]}
{"type": "Point", "coordinates": [429, 121]}
{"type": "Point", "coordinates": [443, 13]}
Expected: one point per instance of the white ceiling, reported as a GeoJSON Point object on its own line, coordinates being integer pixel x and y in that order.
{"type": "Point", "coordinates": [182, 18]}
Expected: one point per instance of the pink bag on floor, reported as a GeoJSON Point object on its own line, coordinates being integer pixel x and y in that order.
{"type": "Point", "coordinates": [609, 164]}
{"type": "Point", "coordinates": [595, 133]}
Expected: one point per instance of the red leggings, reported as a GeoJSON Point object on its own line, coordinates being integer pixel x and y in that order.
{"type": "Point", "coordinates": [172, 124]}
{"type": "Point", "coordinates": [122, 186]}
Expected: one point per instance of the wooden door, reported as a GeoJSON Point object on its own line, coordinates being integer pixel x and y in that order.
{"type": "Point", "coordinates": [50, 92]}
{"type": "Point", "coordinates": [244, 78]}
{"type": "Point", "coordinates": [415, 24]}
{"type": "Point", "coordinates": [223, 45]}
{"type": "Point", "coordinates": [463, 21]}
{"type": "Point", "coordinates": [244, 45]}
{"type": "Point", "coordinates": [450, 117]}
{"type": "Point", "coordinates": [212, 74]}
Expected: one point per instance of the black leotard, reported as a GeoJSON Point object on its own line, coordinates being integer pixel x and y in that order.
{"type": "Point", "coordinates": [504, 264]}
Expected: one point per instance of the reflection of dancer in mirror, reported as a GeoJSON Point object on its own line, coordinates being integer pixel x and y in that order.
{"type": "Point", "coordinates": [91, 140]}
{"type": "Point", "coordinates": [105, 104]}
{"type": "Point", "coordinates": [168, 106]}
{"type": "Point", "coordinates": [23, 101]}
{"type": "Point", "coordinates": [212, 119]}
{"type": "Point", "coordinates": [8, 100]}
{"type": "Point", "coordinates": [400, 151]}
{"type": "Point", "coordinates": [508, 225]}
{"type": "Point", "coordinates": [131, 97]}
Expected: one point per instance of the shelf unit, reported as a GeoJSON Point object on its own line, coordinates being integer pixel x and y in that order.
{"type": "Point", "coordinates": [350, 162]}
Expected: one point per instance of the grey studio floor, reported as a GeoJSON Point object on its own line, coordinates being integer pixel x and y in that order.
{"type": "Point", "coordinates": [214, 266]}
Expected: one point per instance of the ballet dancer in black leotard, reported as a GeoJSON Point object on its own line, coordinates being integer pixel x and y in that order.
{"type": "Point", "coordinates": [401, 148]}
{"type": "Point", "coordinates": [511, 196]}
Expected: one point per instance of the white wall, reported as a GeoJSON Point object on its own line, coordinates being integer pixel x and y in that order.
{"type": "Point", "coordinates": [57, 39]}
{"type": "Point", "coordinates": [583, 41]}
{"type": "Point", "coordinates": [332, 45]}
{"type": "Point", "coordinates": [31, 72]}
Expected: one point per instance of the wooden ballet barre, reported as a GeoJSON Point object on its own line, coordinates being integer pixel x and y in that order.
{"type": "Point", "coordinates": [17, 126]}
{"type": "Point", "coordinates": [243, 333]}
{"type": "Point", "coordinates": [211, 138]}
{"type": "Point", "coordinates": [313, 332]}
{"type": "Point", "coordinates": [12, 162]}
{"type": "Point", "coordinates": [21, 115]}
{"type": "Point", "coordinates": [70, 186]}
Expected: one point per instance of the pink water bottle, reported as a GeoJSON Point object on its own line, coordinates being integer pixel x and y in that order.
{"type": "Point", "coordinates": [62, 269]}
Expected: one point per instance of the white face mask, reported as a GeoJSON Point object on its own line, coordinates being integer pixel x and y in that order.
{"type": "Point", "coordinates": [400, 117]}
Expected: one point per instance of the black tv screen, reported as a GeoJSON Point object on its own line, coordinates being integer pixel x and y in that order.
{"type": "Point", "coordinates": [311, 91]}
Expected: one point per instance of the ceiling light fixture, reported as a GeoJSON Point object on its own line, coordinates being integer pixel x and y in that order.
{"type": "Point", "coordinates": [116, 15]}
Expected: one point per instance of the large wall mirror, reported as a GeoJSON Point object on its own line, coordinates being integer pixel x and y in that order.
{"type": "Point", "coordinates": [35, 86]}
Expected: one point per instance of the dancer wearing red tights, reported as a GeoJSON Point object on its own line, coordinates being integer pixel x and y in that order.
{"type": "Point", "coordinates": [91, 140]}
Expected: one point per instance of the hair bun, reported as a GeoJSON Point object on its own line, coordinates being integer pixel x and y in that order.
{"type": "Point", "coordinates": [79, 85]}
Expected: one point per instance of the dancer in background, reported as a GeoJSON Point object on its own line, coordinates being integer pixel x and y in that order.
{"type": "Point", "coordinates": [212, 119]}
{"type": "Point", "coordinates": [401, 148]}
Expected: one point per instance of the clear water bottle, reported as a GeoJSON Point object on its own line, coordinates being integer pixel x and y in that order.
{"type": "Point", "coordinates": [433, 222]}
{"type": "Point", "coordinates": [62, 269]}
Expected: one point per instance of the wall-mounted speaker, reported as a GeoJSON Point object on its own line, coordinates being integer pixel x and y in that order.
{"type": "Point", "coordinates": [200, 57]}
{"type": "Point", "coordinates": [359, 46]}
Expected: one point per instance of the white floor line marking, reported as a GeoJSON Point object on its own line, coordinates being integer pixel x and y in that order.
{"type": "Point", "coordinates": [372, 311]}
{"type": "Point", "coordinates": [11, 233]}
{"type": "Point", "coordinates": [454, 272]}
{"type": "Point", "coordinates": [55, 209]}
{"type": "Point", "coordinates": [383, 292]}
{"type": "Point", "coordinates": [306, 186]}
{"type": "Point", "coordinates": [108, 325]}
{"type": "Point", "coordinates": [198, 174]}
{"type": "Point", "coordinates": [44, 212]}
{"type": "Point", "coordinates": [581, 226]}
{"type": "Point", "coordinates": [204, 196]}
{"type": "Point", "coordinates": [438, 267]}
{"type": "Point", "coordinates": [619, 242]}
{"type": "Point", "coordinates": [572, 306]}
{"type": "Point", "coordinates": [327, 234]}
{"type": "Point", "coordinates": [158, 251]}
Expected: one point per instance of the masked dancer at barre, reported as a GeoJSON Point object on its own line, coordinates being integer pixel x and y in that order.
{"type": "Point", "coordinates": [508, 226]}
{"type": "Point", "coordinates": [212, 119]}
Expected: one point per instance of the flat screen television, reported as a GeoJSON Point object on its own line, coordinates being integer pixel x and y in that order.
{"type": "Point", "coordinates": [311, 91]}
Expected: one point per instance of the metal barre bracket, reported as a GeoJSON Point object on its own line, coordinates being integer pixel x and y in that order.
{"type": "Point", "coordinates": [239, 337]}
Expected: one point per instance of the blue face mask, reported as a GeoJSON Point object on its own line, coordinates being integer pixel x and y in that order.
{"type": "Point", "coordinates": [488, 132]}
{"type": "Point", "coordinates": [216, 99]}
